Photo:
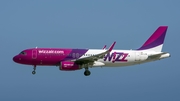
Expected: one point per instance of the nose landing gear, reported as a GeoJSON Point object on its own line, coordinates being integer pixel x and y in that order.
{"type": "Point", "coordinates": [34, 71]}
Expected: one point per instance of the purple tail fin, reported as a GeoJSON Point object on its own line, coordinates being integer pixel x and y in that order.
{"type": "Point", "coordinates": [155, 42]}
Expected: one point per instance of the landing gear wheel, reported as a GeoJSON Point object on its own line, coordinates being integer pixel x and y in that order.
{"type": "Point", "coordinates": [33, 72]}
{"type": "Point", "coordinates": [87, 72]}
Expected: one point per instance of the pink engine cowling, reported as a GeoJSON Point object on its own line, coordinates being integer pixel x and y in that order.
{"type": "Point", "coordinates": [69, 66]}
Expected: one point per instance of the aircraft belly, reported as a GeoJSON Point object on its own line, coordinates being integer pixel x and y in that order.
{"type": "Point", "coordinates": [118, 64]}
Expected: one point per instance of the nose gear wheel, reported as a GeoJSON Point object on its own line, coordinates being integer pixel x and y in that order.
{"type": "Point", "coordinates": [34, 71]}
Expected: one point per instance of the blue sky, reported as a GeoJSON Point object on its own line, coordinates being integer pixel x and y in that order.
{"type": "Point", "coordinates": [88, 24]}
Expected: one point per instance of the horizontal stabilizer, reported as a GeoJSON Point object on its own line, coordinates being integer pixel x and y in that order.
{"type": "Point", "coordinates": [159, 56]}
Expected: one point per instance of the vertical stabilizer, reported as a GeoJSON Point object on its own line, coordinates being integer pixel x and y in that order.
{"type": "Point", "coordinates": [156, 40]}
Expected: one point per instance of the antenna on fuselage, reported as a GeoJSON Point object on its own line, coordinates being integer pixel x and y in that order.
{"type": "Point", "coordinates": [36, 46]}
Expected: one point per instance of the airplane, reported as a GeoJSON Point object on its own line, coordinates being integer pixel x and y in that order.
{"type": "Point", "coordinates": [67, 59]}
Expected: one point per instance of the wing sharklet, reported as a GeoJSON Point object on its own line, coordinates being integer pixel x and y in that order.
{"type": "Point", "coordinates": [104, 47]}
{"type": "Point", "coordinates": [112, 46]}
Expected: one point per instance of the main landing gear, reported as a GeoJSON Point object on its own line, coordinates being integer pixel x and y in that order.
{"type": "Point", "coordinates": [34, 71]}
{"type": "Point", "coordinates": [87, 72]}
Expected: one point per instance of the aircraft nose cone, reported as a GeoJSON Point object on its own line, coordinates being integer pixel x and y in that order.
{"type": "Point", "coordinates": [15, 59]}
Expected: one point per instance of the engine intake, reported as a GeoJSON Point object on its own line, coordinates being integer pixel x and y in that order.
{"type": "Point", "coordinates": [69, 66]}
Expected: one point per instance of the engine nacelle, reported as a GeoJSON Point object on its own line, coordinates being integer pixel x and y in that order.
{"type": "Point", "coordinates": [69, 66]}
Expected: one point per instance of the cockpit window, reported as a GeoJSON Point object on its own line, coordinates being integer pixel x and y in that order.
{"type": "Point", "coordinates": [23, 53]}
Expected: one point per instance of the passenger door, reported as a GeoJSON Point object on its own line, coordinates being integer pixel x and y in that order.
{"type": "Point", "coordinates": [34, 53]}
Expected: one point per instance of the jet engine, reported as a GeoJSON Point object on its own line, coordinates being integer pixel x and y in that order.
{"type": "Point", "coordinates": [69, 66]}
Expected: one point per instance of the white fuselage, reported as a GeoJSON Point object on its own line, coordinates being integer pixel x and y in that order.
{"type": "Point", "coordinates": [118, 58]}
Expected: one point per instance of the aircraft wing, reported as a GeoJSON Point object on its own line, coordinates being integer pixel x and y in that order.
{"type": "Point", "coordinates": [93, 58]}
